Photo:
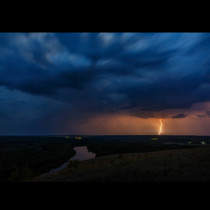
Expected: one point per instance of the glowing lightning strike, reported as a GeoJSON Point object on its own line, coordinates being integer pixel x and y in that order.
{"type": "Point", "coordinates": [161, 127]}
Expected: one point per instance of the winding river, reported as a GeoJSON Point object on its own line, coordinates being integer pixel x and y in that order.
{"type": "Point", "coordinates": [82, 153]}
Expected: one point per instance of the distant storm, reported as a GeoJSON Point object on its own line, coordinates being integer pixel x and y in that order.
{"type": "Point", "coordinates": [104, 83]}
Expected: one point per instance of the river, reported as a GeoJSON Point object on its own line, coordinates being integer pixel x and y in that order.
{"type": "Point", "coordinates": [82, 153]}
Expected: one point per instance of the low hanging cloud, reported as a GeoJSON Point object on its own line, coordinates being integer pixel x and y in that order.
{"type": "Point", "coordinates": [201, 115]}
{"type": "Point", "coordinates": [179, 116]}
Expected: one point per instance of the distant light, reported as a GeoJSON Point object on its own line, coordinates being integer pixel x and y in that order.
{"type": "Point", "coordinates": [189, 142]}
{"type": "Point", "coordinates": [78, 137]}
{"type": "Point", "coordinates": [154, 139]}
{"type": "Point", "coordinates": [203, 142]}
{"type": "Point", "coordinates": [67, 137]}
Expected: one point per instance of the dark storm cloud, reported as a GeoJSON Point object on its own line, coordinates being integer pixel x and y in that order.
{"type": "Point", "coordinates": [93, 73]}
{"type": "Point", "coordinates": [43, 64]}
{"type": "Point", "coordinates": [179, 116]}
{"type": "Point", "coordinates": [208, 113]}
{"type": "Point", "coordinates": [204, 115]}
{"type": "Point", "coordinates": [202, 45]}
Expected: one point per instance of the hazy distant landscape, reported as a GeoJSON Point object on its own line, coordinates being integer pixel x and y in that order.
{"type": "Point", "coordinates": [27, 158]}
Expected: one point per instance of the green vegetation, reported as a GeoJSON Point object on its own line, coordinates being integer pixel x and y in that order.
{"type": "Point", "coordinates": [22, 158]}
{"type": "Point", "coordinates": [107, 145]}
{"type": "Point", "coordinates": [172, 165]}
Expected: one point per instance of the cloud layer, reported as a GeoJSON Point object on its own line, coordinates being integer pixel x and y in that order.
{"type": "Point", "coordinates": [79, 75]}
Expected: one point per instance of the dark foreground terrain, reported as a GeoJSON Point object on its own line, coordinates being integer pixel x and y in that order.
{"type": "Point", "coordinates": [118, 158]}
{"type": "Point", "coordinates": [22, 158]}
{"type": "Point", "coordinates": [189, 165]}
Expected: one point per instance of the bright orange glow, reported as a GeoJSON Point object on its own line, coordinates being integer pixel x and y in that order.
{"type": "Point", "coordinates": [161, 127]}
{"type": "Point", "coordinates": [126, 124]}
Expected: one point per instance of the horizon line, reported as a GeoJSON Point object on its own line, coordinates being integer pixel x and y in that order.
{"type": "Point", "coordinates": [62, 135]}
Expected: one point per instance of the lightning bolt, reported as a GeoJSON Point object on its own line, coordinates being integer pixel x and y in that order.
{"type": "Point", "coordinates": [161, 127]}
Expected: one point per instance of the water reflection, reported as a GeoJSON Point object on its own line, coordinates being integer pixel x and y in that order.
{"type": "Point", "coordinates": [82, 153]}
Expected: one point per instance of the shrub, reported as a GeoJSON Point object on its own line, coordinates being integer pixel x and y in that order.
{"type": "Point", "coordinates": [72, 163]}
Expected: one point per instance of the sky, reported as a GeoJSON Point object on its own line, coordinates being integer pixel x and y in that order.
{"type": "Point", "coordinates": [104, 83]}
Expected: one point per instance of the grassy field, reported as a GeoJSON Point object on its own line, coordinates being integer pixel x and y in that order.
{"type": "Point", "coordinates": [186, 165]}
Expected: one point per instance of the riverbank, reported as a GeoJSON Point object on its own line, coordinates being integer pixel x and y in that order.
{"type": "Point", "coordinates": [25, 157]}
{"type": "Point", "coordinates": [81, 153]}
{"type": "Point", "coordinates": [186, 165]}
